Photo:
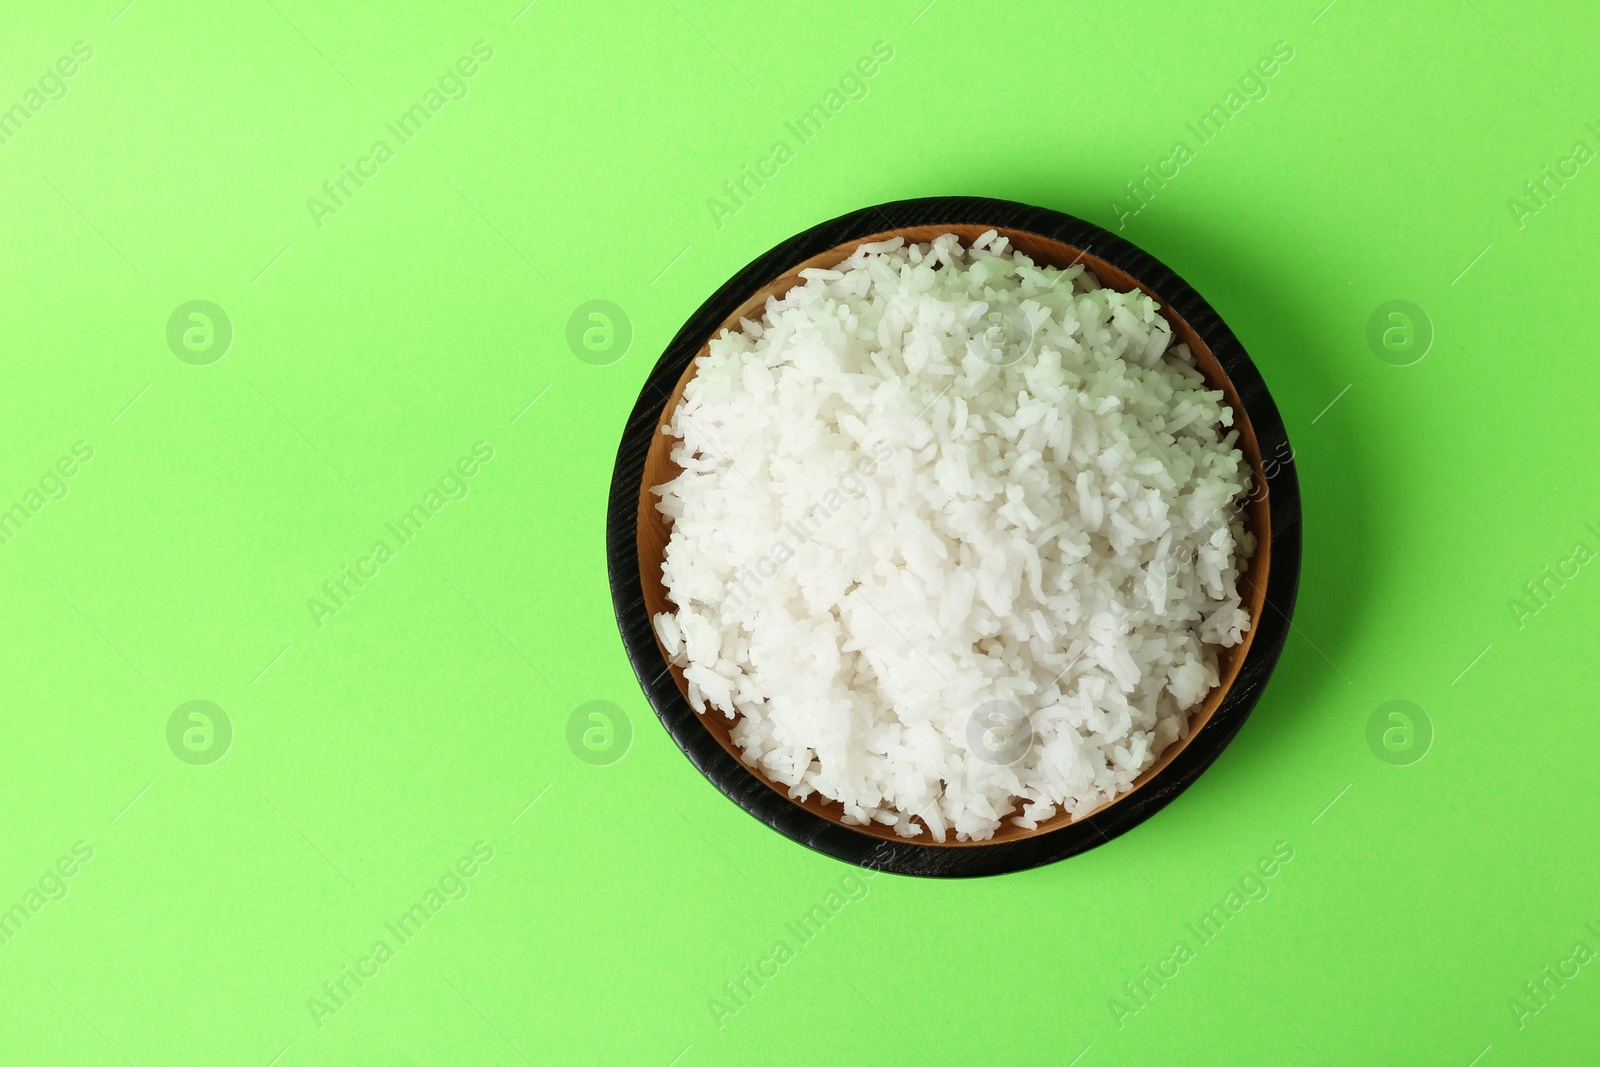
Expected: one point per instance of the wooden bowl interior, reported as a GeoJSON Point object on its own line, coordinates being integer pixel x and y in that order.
{"type": "Point", "coordinates": [653, 528]}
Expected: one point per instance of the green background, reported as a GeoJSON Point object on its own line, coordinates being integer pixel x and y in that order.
{"type": "Point", "coordinates": [373, 351]}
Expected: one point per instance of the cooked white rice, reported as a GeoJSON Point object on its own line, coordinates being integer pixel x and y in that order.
{"type": "Point", "coordinates": [953, 537]}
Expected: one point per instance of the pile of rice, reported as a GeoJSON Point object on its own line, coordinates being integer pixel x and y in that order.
{"type": "Point", "coordinates": [956, 537]}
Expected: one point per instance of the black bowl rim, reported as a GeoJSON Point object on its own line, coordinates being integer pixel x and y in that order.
{"type": "Point", "coordinates": [908, 857]}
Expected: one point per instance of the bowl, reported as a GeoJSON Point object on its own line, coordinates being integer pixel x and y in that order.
{"type": "Point", "coordinates": [636, 536]}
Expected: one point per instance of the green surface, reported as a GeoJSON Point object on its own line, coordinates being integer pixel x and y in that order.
{"type": "Point", "coordinates": [392, 339]}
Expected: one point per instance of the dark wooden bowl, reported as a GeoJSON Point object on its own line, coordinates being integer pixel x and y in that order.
{"type": "Point", "coordinates": [645, 461]}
